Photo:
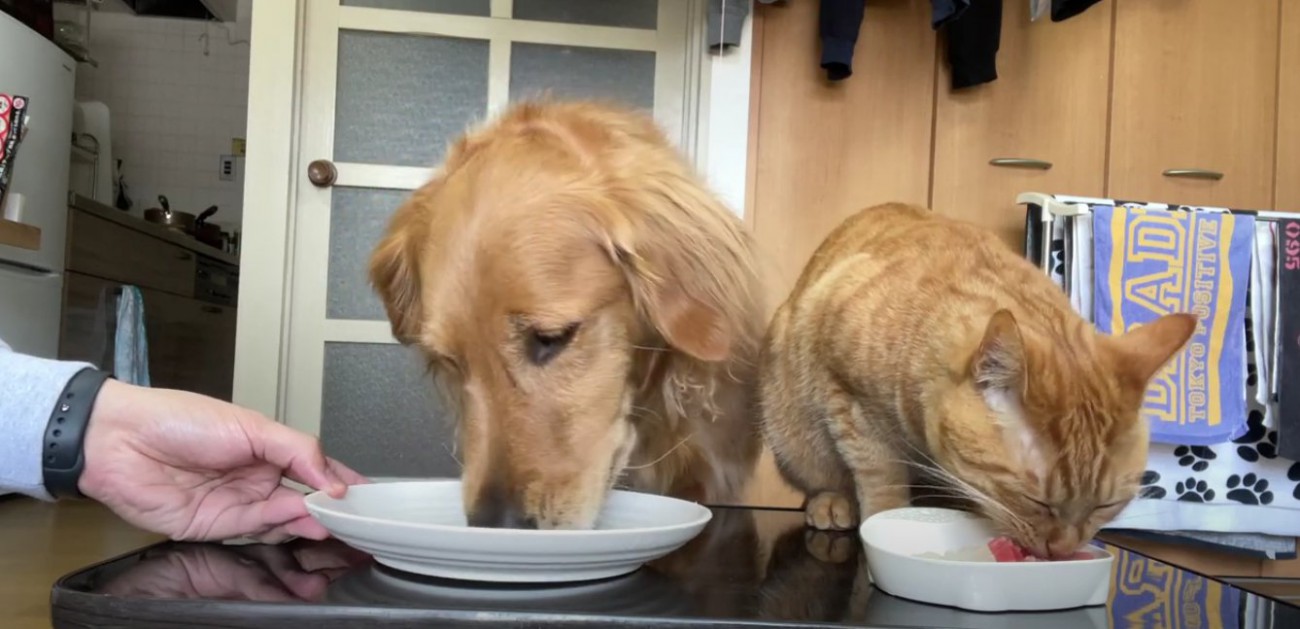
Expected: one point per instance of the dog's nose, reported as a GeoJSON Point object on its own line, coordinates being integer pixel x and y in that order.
{"type": "Point", "coordinates": [496, 510]}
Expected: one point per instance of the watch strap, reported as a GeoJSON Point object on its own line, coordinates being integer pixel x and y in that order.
{"type": "Point", "coordinates": [62, 454]}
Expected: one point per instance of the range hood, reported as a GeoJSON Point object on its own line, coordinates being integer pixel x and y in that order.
{"type": "Point", "coordinates": [192, 9]}
{"type": "Point", "coordinates": [219, 10]}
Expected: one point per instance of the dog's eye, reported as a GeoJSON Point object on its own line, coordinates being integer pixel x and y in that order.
{"type": "Point", "coordinates": [545, 345]}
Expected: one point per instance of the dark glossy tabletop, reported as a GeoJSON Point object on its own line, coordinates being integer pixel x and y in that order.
{"type": "Point", "coordinates": [750, 568]}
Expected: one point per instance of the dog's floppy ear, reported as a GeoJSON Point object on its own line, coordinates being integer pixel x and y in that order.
{"type": "Point", "coordinates": [688, 263]}
{"type": "Point", "coordinates": [394, 264]}
{"type": "Point", "coordinates": [394, 271]}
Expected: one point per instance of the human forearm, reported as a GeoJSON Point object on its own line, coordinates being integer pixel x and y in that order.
{"type": "Point", "coordinates": [29, 389]}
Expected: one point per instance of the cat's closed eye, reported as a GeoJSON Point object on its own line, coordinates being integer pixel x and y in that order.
{"type": "Point", "coordinates": [1050, 509]}
{"type": "Point", "coordinates": [1053, 511]}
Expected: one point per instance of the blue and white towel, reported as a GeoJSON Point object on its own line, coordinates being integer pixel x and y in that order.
{"type": "Point", "coordinates": [131, 347]}
{"type": "Point", "coordinates": [1241, 487]}
{"type": "Point", "coordinates": [1152, 262]}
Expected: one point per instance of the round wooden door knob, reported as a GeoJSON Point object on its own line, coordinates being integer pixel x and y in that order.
{"type": "Point", "coordinates": [322, 173]}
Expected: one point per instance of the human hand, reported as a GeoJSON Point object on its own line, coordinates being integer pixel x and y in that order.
{"type": "Point", "coordinates": [289, 573]}
{"type": "Point", "coordinates": [195, 468]}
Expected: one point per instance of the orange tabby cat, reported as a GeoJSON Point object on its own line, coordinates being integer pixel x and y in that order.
{"type": "Point", "coordinates": [913, 342]}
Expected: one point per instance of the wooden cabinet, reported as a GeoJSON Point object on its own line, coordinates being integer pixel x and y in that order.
{"type": "Point", "coordinates": [824, 150]}
{"type": "Point", "coordinates": [821, 151]}
{"type": "Point", "coordinates": [1287, 175]}
{"type": "Point", "coordinates": [105, 249]}
{"type": "Point", "coordinates": [1195, 88]}
{"type": "Point", "coordinates": [1047, 108]}
{"type": "Point", "coordinates": [189, 328]}
{"type": "Point", "coordinates": [191, 343]}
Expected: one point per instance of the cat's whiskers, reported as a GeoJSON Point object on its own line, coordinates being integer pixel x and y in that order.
{"type": "Point", "coordinates": [931, 491]}
{"type": "Point", "coordinates": [975, 494]}
{"type": "Point", "coordinates": [966, 489]}
{"type": "Point", "coordinates": [920, 486]}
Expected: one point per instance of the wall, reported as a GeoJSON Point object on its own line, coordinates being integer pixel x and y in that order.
{"type": "Point", "coordinates": [175, 105]}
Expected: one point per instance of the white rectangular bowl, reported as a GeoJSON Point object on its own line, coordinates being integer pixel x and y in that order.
{"type": "Point", "coordinates": [894, 540]}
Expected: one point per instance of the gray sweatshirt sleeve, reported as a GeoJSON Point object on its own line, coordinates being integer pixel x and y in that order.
{"type": "Point", "coordinates": [29, 387]}
{"type": "Point", "coordinates": [726, 19]}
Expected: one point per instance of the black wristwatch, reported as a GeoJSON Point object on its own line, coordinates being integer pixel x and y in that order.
{"type": "Point", "coordinates": [62, 456]}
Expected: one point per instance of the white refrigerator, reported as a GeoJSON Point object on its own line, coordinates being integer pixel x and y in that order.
{"type": "Point", "coordinates": [31, 281]}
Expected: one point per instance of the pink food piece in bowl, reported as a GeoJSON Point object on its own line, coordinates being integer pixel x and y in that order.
{"type": "Point", "coordinates": [1006, 550]}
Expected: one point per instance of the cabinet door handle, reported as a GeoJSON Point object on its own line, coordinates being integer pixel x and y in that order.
{"type": "Point", "coordinates": [1194, 173]}
{"type": "Point", "coordinates": [212, 310]}
{"type": "Point", "coordinates": [183, 256]}
{"type": "Point", "coordinates": [1021, 162]}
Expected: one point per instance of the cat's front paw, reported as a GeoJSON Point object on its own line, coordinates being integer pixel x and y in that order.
{"type": "Point", "coordinates": [830, 511]}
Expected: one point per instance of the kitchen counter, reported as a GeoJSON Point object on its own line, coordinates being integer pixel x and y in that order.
{"type": "Point", "coordinates": [95, 208]}
{"type": "Point", "coordinates": [750, 568]}
{"type": "Point", "coordinates": [190, 295]}
{"type": "Point", "coordinates": [19, 235]}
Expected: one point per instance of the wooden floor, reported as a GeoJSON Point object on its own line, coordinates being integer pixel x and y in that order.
{"type": "Point", "coordinates": [40, 542]}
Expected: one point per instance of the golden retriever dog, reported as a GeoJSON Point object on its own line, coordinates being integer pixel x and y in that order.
{"type": "Point", "coordinates": [592, 308]}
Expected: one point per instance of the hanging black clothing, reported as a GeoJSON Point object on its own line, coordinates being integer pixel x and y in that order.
{"type": "Point", "coordinates": [839, 22]}
{"type": "Point", "coordinates": [973, 40]}
{"type": "Point", "coordinates": [974, 31]}
{"type": "Point", "coordinates": [1066, 9]}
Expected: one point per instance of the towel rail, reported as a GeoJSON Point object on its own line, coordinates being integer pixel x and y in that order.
{"type": "Point", "coordinates": [1062, 205]}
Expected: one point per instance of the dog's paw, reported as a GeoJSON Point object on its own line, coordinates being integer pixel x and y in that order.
{"type": "Point", "coordinates": [830, 511]}
{"type": "Point", "coordinates": [829, 546]}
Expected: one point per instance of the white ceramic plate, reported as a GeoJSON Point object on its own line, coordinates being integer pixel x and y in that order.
{"type": "Point", "coordinates": [420, 527]}
{"type": "Point", "coordinates": [894, 540]}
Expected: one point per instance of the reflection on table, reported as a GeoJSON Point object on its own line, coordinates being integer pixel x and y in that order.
{"type": "Point", "coordinates": [748, 565]}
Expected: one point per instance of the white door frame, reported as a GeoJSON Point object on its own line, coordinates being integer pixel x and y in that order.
{"type": "Point", "coordinates": [714, 115]}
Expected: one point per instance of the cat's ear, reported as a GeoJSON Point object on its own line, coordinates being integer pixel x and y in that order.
{"type": "Point", "coordinates": [1144, 351]}
{"type": "Point", "coordinates": [999, 363]}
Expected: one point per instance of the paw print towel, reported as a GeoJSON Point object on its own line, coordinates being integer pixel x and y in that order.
{"type": "Point", "coordinates": [1241, 486]}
